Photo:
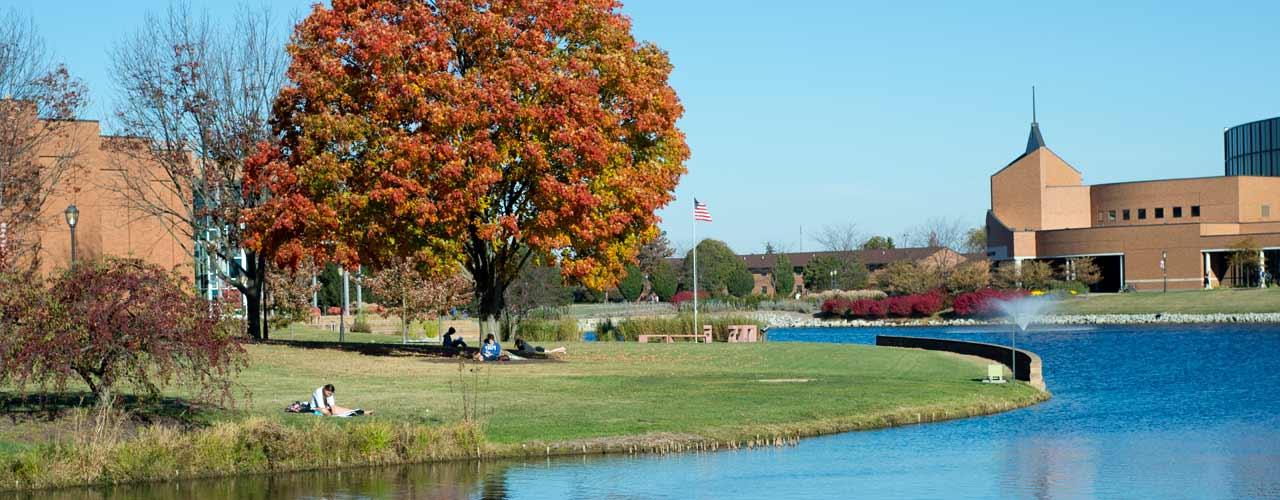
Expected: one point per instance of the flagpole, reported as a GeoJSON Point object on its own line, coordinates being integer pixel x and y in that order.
{"type": "Point", "coordinates": [695, 268]}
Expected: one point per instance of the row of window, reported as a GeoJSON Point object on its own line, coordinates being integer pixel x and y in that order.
{"type": "Point", "coordinates": [1158, 213]}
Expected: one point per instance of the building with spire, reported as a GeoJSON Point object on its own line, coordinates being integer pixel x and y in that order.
{"type": "Point", "coordinates": [1148, 235]}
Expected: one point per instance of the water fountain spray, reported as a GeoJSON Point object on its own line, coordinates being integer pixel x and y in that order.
{"type": "Point", "coordinates": [1022, 312]}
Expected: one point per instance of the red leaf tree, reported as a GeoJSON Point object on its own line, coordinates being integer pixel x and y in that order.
{"type": "Point", "coordinates": [485, 133]}
{"type": "Point", "coordinates": [114, 323]}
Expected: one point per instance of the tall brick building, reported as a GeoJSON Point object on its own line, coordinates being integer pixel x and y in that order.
{"type": "Point", "coordinates": [1041, 209]}
{"type": "Point", "coordinates": [106, 225]}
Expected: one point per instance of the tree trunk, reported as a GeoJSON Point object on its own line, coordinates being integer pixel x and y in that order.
{"type": "Point", "coordinates": [252, 290]}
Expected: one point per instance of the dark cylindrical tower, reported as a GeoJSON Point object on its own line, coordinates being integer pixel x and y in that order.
{"type": "Point", "coordinates": [1253, 148]}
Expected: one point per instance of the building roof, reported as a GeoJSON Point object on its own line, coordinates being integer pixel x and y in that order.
{"type": "Point", "coordinates": [1035, 140]}
{"type": "Point", "coordinates": [866, 257]}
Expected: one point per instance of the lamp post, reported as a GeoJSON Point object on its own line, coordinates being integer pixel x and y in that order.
{"type": "Point", "coordinates": [1163, 270]}
{"type": "Point", "coordinates": [833, 279]}
{"type": "Point", "coordinates": [73, 215]}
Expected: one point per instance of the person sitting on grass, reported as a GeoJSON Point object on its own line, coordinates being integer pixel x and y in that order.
{"type": "Point", "coordinates": [491, 351]}
{"type": "Point", "coordinates": [322, 404]}
{"type": "Point", "coordinates": [449, 341]}
{"type": "Point", "coordinates": [523, 347]}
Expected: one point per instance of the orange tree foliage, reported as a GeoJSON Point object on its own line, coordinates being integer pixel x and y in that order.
{"type": "Point", "coordinates": [487, 133]}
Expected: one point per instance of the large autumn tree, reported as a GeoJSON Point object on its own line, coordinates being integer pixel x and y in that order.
{"type": "Point", "coordinates": [490, 133]}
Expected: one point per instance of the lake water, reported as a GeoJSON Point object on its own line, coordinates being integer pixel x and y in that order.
{"type": "Point", "coordinates": [1138, 412]}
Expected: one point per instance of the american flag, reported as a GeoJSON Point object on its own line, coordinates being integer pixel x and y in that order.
{"type": "Point", "coordinates": [700, 212]}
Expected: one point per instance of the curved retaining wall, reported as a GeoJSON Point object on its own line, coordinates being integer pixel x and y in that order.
{"type": "Point", "coordinates": [1029, 369]}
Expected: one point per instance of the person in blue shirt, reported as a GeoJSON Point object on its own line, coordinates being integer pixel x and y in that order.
{"type": "Point", "coordinates": [491, 351]}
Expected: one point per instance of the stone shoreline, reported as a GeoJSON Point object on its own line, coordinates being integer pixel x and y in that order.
{"type": "Point", "coordinates": [794, 320]}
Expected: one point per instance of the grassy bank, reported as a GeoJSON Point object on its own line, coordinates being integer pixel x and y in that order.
{"type": "Point", "coordinates": [1227, 301]}
{"type": "Point", "coordinates": [602, 397]}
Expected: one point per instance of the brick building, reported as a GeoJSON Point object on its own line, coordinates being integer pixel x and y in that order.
{"type": "Point", "coordinates": [106, 225]}
{"type": "Point", "coordinates": [1137, 231]}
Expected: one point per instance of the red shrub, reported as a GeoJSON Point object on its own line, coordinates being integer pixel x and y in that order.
{"type": "Point", "coordinates": [860, 308]}
{"type": "Point", "coordinates": [686, 295]}
{"type": "Point", "coordinates": [928, 304]}
{"type": "Point", "coordinates": [334, 310]}
{"type": "Point", "coordinates": [877, 309]}
{"type": "Point", "coordinates": [315, 311]}
{"type": "Point", "coordinates": [900, 306]}
{"type": "Point", "coordinates": [981, 303]}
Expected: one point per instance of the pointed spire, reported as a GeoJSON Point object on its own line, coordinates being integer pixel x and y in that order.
{"type": "Point", "coordinates": [1035, 140]}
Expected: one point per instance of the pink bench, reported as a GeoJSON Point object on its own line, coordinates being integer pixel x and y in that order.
{"type": "Point", "coordinates": [743, 333]}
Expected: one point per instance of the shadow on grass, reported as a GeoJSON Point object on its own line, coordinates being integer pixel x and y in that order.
{"type": "Point", "coordinates": [380, 349]}
{"type": "Point", "coordinates": [18, 408]}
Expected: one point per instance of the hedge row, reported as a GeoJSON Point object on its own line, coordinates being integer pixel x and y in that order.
{"type": "Point", "coordinates": [902, 306]}
{"type": "Point", "coordinates": [982, 303]}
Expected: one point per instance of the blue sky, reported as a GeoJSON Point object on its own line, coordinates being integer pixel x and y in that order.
{"type": "Point", "coordinates": [887, 115]}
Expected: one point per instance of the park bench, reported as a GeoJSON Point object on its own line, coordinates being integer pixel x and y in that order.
{"type": "Point", "coordinates": [743, 333]}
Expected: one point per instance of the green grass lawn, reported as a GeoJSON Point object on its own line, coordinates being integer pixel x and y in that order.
{"type": "Point", "coordinates": [1228, 300]}
{"type": "Point", "coordinates": [614, 389]}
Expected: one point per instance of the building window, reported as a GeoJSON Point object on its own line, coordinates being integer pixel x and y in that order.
{"type": "Point", "coordinates": [1142, 214]}
{"type": "Point", "coordinates": [1101, 216]}
{"type": "Point", "coordinates": [1266, 210]}
{"type": "Point", "coordinates": [1160, 212]}
{"type": "Point", "coordinates": [1177, 212]}
{"type": "Point", "coordinates": [1125, 214]}
{"type": "Point", "coordinates": [1111, 215]}
{"type": "Point", "coordinates": [1195, 210]}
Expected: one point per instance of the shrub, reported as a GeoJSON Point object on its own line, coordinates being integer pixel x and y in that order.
{"type": "Point", "coordinates": [361, 323]}
{"type": "Point", "coordinates": [981, 303]}
{"type": "Point", "coordinates": [861, 308]}
{"type": "Point", "coordinates": [1036, 275]}
{"type": "Point", "coordinates": [562, 330]}
{"type": "Point", "coordinates": [632, 285]}
{"type": "Point", "coordinates": [118, 322]}
{"type": "Point", "coordinates": [929, 304]}
{"type": "Point", "coordinates": [850, 295]}
{"type": "Point", "coordinates": [334, 310]}
{"type": "Point", "coordinates": [686, 295]}
{"type": "Point", "coordinates": [800, 306]}
{"type": "Point", "coordinates": [877, 310]}
{"type": "Point", "coordinates": [663, 281]}
{"type": "Point", "coordinates": [1067, 288]}
{"type": "Point", "coordinates": [741, 283]}
{"type": "Point", "coordinates": [969, 277]}
{"type": "Point", "coordinates": [900, 306]}
{"type": "Point", "coordinates": [907, 278]}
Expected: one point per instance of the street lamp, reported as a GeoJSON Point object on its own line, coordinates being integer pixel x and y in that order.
{"type": "Point", "coordinates": [73, 216]}
{"type": "Point", "coordinates": [1163, 270]}
{"type": "Point", "coordinates": [833, 278]}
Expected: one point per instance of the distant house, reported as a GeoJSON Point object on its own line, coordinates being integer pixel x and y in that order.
{"type": "Point", "coordinates": [761, 265]}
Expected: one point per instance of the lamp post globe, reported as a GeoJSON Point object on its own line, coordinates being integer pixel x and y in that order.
{"type": "Point", "coordinates": [73, 216]}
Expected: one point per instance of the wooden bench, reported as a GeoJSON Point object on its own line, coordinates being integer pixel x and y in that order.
{"type": "Point", "coordinates": [670, 339]}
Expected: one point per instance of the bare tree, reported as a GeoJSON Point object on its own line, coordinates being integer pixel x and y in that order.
{"type": "Point", "coordinates": [843, 237]}
{"type": "Point", "coordinates": [198, 96]}
{"type": "Point", "coordinates": [38, 144]}
{"type": "Point", "coordinates": [948, 235]}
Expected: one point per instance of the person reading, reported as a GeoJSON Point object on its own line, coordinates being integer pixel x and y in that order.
{"type": "Point", "coordinates": [322, 404]}
{"type": "Point", "coordinates": [491, 350]}
{"type": "Point", "coordinates": [449, 341]}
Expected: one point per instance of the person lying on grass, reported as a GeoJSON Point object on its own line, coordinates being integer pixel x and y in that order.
{"type": "Point", "coordinates": [322, 404]}
{"type": "Point", "coordinates": [523, 347]}
{"type": "Point", "coordinates": [491, 351]}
